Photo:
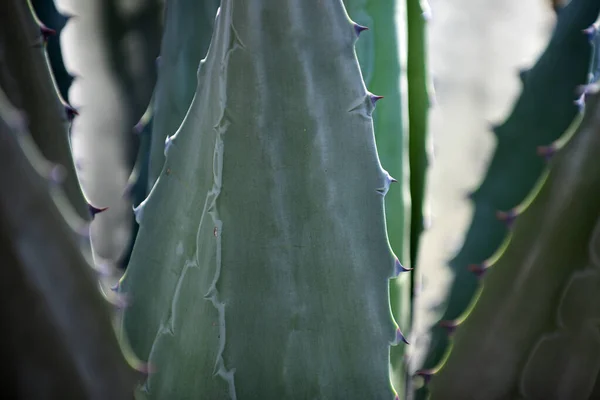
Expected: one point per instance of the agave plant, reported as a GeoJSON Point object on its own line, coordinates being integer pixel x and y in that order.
{"type": "Point", "coordinates": [280, 202]}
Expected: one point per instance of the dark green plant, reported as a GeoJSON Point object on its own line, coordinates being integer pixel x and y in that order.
{"type": "Point", "coordinates": [29, 85]}
{"type": "Point", "coordinates": [532, 332]}
{"type": "Point", "coordinates": [265, 264]}
{"type": "Point", "coordinates": [58, 338]}
{"type": "Point", "coordinates": [542, 113]}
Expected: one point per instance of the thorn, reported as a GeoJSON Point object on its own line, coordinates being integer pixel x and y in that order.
{"type": "Point", "coordinates": [450, 326]}
{"type": "Point", "coordinates": [580, 102]}
{"type": "Point", "coordinates": [46, 32]}
{"type": "Point", "coordinates": [523, 75]}
{"type": "Point", "coordinates": [96, 210]}
{"type": "Point", "coordinates": [138, 212]}
{"type": "Point", "coordinates": [66, 16]}
{"type": "Point", "coordinates": [399, 268]}
{"type": "Point", "coordinates": [399, 338]}
{"type": "Point", "coordinates": [508, 217]}
{"type": "Point", "coordinates": [547, 152]}
{"type": "Point", "coordinates": [426, 374]}
{"type": "Point", "coordinates": [590, 32]}
{"type": "Point", "coordinates": [168, 143]}
{"type": "Point", "coordinates": [494, 128]}
{"type": "Point", "coordinates": [359, 29]}
{"type": "Point", "coordinates": [390, 178]}
{"type": "Point", "coordinates": [388, 181]}
{"type": "Point", "coordinates": [375, 99]}
{"type": "Point", "coordinates": [73, 76]}
{"type": "Point", "coordinates": [478, 269]}
{"type": "Point", "coordinates": [116, 286]}
{"type": "Point", "coordinates": [71, 112]}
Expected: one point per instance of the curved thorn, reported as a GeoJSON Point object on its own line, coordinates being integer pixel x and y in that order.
{"type": "Point", "coordinates": [523, 74]}
{"type": "Point", "coordinates": [590, 32]}
{"type": "Point", "coordinates": [399, 338]}
{"type": "Point", "coordinates": [46, 32]}
{"type": "Point", "coordinates": [359, 29]}
{"type": "Point", "coordinates": [426, 374]}
{"type": "Point", "coordinates": [375, 99]}
{"type": "Point", "coordinates": [508, 217]}
{"type": "Point", "coordinates": [71, 112]}
{"type": "Point", "coordinates": [547, 152]}
{"type": "Point", "coordinates": [478, 269]}
{"type": "Point", "coordinates": [390, 178]}
{"type": "Point", "coordinates": [399, 268]}
{"type": "Point", "coordinates": [95, 210]}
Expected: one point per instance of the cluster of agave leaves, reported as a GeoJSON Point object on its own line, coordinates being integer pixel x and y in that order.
{"type": "Point", "coordinates": [267, 253]}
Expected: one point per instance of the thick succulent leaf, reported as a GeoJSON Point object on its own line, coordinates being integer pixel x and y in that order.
{"type": "Point", "coordinates": [381, 52]}
{"type": "Point", "coordinates": [262, 265]}
{"type": "Point", "coordinates": [545, 109]}
{"type": "Point", "coordinates": [187, 35]}
{"type": "Point", "coordinates": [30, 86]}
{"type": "Point", "coordinates": [510, 339]}
{"type": "Point", "coordinates": [58, 337]}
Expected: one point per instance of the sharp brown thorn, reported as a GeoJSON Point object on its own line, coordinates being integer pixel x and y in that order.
{"type": "Point", "coordinates": [359, 29]}
{"type": "Point", "coordinates": [375, 99]}
{"type": "Point", "coordinates": [507, 217]}
{"type": "Point", "coordinates": [399, 268]}
{"type": "Point", "coordinates": [478, 269]}
{"type": "Point", "coordinates": [546, 151]}
{"type": "Point", "coordinates": [46, 32]}
{"type": "Point", "coordinates": [426, 374]}
{"type": "Point", "coordinates": [95, 210]}
{"type": "Point", "coordinates": [400, 337]}
{"type": "Point", "coordinates": [71, 112]}
{"type": "Point", "coordinates": [590, 31]}
{"type": "Point", "coordinates": [580, 102]}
